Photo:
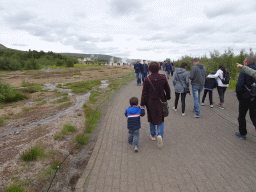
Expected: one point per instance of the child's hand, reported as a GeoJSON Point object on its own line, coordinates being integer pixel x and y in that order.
{"type": "Point", "coordinates": [239, 65]}
{"type": "Point", "coordinates": [142, 107]}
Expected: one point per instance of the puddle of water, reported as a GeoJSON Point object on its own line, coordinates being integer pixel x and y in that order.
{"type": "Point", "coordinates": [80, 100]}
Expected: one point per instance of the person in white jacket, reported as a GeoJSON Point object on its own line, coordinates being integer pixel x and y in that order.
{"type": "Point", "coordinates": [221, 87]}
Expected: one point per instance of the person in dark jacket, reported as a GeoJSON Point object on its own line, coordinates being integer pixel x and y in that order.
{"type": "Point", "coordinates": [144, 70]}
{"type": "Point", "coordinates": [168, 69]}
{"type": "Point", "coordinates": [246, 101]}
{"type": "Point", "coordinates": [134, 112]}
{"type": "Point", "coordinates": [210, 84]}
{"type": "Point", "coordinates": [172, 68]}
{"type": "Point", "coordinates": [157, 87]}
{"type": "Point", "coordinates": [180, 81]}
{"type": "Point", "coordinates": [137, 68]}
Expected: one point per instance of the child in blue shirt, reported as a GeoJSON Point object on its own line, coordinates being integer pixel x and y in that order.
{"type": "Point", "coordinates": [133, 122]}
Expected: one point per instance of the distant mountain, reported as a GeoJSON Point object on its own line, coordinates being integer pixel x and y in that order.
{"type": "Point", "coordinates": [2, 47]}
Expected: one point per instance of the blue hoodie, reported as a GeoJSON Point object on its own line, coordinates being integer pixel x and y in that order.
{"type": "Point", "coordinates": [133, 113]}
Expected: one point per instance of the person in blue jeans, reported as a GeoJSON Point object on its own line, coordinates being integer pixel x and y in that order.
{"type": "Point", "coordinates": [197, 76]}
{"type": "Point", "coordinates": [137, 68]}
{"type": "Point", "coordinates": [168, 69]}
{"type": "Point", "coordinates": [133, 122]}
{"type": "Point", "coordinates": [144, 70]}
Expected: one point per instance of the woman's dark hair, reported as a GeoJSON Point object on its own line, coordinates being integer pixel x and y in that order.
{"type": "Point", "coordinates": [223, 68]}
{"type": "Point", "coordinates": [134, 101]}
{"type": "Point", "coordinates": [183, 65]}
{"type": "Point", "coordinates": [154, 67]}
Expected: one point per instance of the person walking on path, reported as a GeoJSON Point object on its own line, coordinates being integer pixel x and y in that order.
{"type": "Point", "coordinates": [197, 77]}
{"type": "Point", "coordinates": [172, 69]}
{"type": "Point", "coordinates": [181, 83]}
{"type": "Point", "coordinates": [210, 84]}
{"type": "Point", "coordinates": [221, 87]}
{"type": "Point", "coordinates": [155, 86]}
{"type": "Point", "coordinates": [133, 122]}
{"type": "Point", "coordinates": [248, 70]}
{"type": "Point", "coordinates": [144, 70]}
{"type": "Point", "coordinates": [137, 68]}
{"type": "Point", "coordinates": [246, 101]}
{"type": "Point", "coordinates": [168, 69]}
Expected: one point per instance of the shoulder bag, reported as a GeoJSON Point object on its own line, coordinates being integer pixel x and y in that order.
{"type": "Point", "coordinates": [165, 104]}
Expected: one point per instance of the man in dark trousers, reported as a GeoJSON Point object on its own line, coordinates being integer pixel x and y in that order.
{"type": "Point", "coordinates": [137, 68]}
{"type": "Point", "coordinates": [246, 101]}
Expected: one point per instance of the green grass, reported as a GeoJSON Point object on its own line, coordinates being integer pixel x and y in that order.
{"type": "Point", "coordinates": [14, 188]}
{"type": "Point", "coordinates": [38, 99]}
{"type": "Point", "coordinates": [51, 170]}
{"type": "Point", "coordinates": [232, 84]}
{"type": "Point", "coordinates": [64, 105]}
{"type": "Point", "coordinates": [32, 89]}
{"type": "Point", "coordinates": [83, 86]}
{"type": "Point", "coordinates": [1, 106]}
{"type": "Point", "coordinates": [81, 139]}
{"type": "Point", "coordinates": [93, 95]}
{"type": "Point", "coordinates": [1, 122]}
{"type": "Point", "coordinates": [92, 117]}
{"type": "Point", "coordinates": [65, 131]}
{"type": "Point", "coordinates": [42, 103]}
{"type": "Point", "coordinates": [25, 83]}
{"type": "Point", "coordinates": [64, 99]}
{"type": "Point", "coordinates": [33, 153]}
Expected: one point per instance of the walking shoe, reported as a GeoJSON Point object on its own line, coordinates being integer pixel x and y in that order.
{"type": "Point", "coordinates": [211, 106]}
{"type": "Point", "coordinates": [136, 149]}
{"type": "Point", "coordinates": [242, 137]}
{"type": "Point", "coordinates": [220, 107]}
{"type": "Point", "coordinates": [202, 104]}
{"type": "Point", "coordinates": [183, 114]}
{"type": "Point", "coordinates": [159, 142]}
{"type": "Point", "coordinates": [174, 109]}
{"type": "Point", "coordinates": [196, 116]}
{"type": "Point", "coordinates": [153, 138]}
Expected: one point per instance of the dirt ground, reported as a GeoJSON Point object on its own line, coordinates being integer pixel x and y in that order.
{"type": "Point", "coordinates": [21, 129]}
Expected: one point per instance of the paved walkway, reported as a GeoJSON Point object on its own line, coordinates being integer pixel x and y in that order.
{"type": "Point", "coordinates": [199, 154]}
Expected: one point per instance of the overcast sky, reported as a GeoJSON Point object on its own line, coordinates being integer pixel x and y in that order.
{"type": "Point", "coordinates": [135, 29]}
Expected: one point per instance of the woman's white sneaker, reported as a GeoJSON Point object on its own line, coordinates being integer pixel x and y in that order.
{"type": "Point", "coordinates": [174, 109]}
{"type": "Point", "coordinates": [159, 141]}
{"type": "Point", "coordinates": [183, 114]}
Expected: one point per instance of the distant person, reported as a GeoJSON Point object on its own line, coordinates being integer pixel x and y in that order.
{"type": "Point", "coordinates": [246, 101]}
{"type": "Point", "coordinates": [155, 87]}
{"type": "Point", "coordinates": [137, 68]}
{"type": "Point", "coordinates": [134, 112]}
{"type": "Point", "coordinates": [210, 84]}
{"type": "Point", "coordinates": [197, 77]}
{"type": "Point", "coordinates": [144, 70]}
{"type": "Point", "coordinates": [172, 68]}
{"type": "Point", "coordinates": [168, 69]}
{"type": "Point", "coordinates": [221, 86]}
{"type": "Point", "coordinates": [248, 70]}
{"type": "Point", "coordinates": [181, 84]}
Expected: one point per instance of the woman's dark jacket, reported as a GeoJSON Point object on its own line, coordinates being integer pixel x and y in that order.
{"type": "Point", "coordinates": [210, 83]}
{"type": "Point", "coordinates": [150, 99]}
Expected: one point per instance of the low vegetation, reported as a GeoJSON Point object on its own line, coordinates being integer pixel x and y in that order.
{"type": "Point", "coordinates": [33, 153]}
{"type": "Point", "coordinates": [9, 94]}
{"type": "Point", "coordinates": [83, 86]}
{"type": "Point", "coordinates": [65, 131]}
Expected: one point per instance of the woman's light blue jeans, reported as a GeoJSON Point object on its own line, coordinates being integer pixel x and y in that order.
{"type": "Point", "coordinates": [160, 129]}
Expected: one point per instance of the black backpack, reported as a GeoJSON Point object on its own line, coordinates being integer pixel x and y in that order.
{"type": "Point", "coordinates": [252, 91]}
{"type": "Point", "coordinates": [226, 78]}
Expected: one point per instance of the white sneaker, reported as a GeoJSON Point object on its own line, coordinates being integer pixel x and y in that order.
{"type": "Point", "coordinates": [196, 116]}
{"type": "Point", "coordinates": [159, 142]}
{"type": "Point", "coordinates": [153, 138]}
{"type": "Point", "coordinates": [202, 104]}
{"type": "Point", "coordinates": [136, 149]}
{"type": "Point", "coordinates": [211, 106]}
{"type": "Point", "coordinates": [174, 109]}
{"type": "Point", "coordinates": [183, 114]}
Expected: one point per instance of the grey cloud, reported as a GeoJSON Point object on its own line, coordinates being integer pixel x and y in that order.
{"type": "Point", "coordinates": [154, 37]}
{"type": "Point", "coordinates": [125, 7]}
{"type": "Point", "coordinates": [144, 49]}
{"type": "Point", "coordinates": [203, 29]}
{"type": "Point", "coordinates": [20, 17]}
{"type": "Point", "coordinates": [19, 44]}
{"type": "Point", "coordinates": [225, 10]}
{"type": "Point", "coordinates": [107, 39]}
{"type": "Point", "coordinates": [87, 38]}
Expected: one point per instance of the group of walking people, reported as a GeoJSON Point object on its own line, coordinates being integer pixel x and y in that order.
{"type": "Point", "coordinates": [156, 90]}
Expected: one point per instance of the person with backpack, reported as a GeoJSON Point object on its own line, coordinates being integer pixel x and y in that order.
{"type": "Point", "coordinates": [223, 78]}
{"type": "Point", "coordinates": [247, 98]}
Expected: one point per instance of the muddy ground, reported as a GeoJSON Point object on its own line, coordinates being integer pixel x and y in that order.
{"type": "Point", "coordinates": [28, 123]}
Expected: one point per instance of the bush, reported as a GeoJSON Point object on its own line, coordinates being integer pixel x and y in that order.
{"type": "Point", "coordinates": [33, 153]}
{"type": "Point", "coordinates": [14, 188]}
{"type": "Point", "coordinates": [81, 139]}
{"type": "Point", "coordinates": [69, 63]}
{"type": "Point", "coordinates": [8, 94]}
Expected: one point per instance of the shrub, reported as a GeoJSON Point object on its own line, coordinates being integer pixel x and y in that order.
{"type": "Point", "coordinates": [69, 63]}
{"type": "Point", "coordinates": [8, 94]}
{"type": "Point", "coordinates": [14, 188]}
{"type": "Point", "coordinates": [33, 153]}
{"type": "Point", "coordinates": [81, 139]}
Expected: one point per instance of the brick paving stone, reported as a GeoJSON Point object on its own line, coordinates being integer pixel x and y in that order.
{"type": "Point", "coordinates": [198, 154]}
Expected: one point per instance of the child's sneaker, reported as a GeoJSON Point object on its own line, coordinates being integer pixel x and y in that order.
{"type": "Point", "coordinates": [153, 138]}
{"type": "Point", "coordinates": [174, 109]}
{"type": "Point", "coordinates": [220, 107]}
{"type": "Point", "coordinates": [136, 149]}
{"type": "Point", "coordinates": [159, 142]}
{"type": "Point", "coordinates": [183, 114]}
{"type": "Point", "coordinates": [202, 104]}
{"type": "Point", "coordinates": [211, 106]}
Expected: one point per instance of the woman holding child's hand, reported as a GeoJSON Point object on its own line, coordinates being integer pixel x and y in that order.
{"type": "Point", "coordinates": [150, 99]}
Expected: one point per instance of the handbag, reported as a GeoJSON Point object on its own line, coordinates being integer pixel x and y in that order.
{"type": "Point", "coordinates": [186, 89]}
{"type": "Point", "coordinates": [164, 104]}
